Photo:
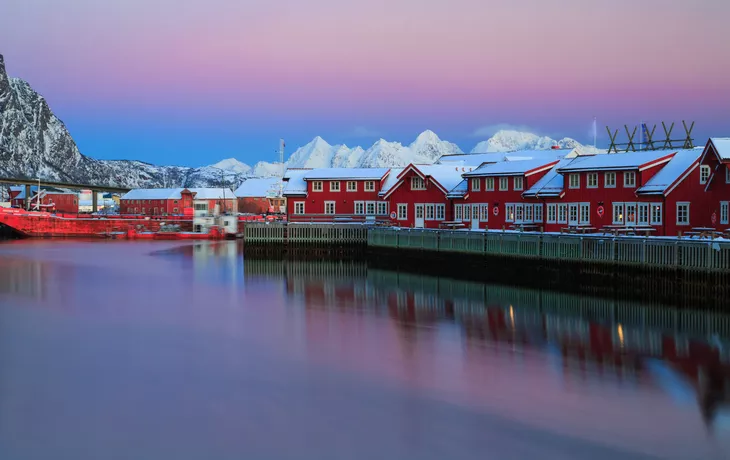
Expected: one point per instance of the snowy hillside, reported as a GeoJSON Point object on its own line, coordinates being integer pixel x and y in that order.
{"type": "Point", "coordinates": [510, 141]}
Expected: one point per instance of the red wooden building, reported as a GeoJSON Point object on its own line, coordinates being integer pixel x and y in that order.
{"type": "Point", "coordinates": [330, 193]}
{"type": "Point", "coordinates": [260, 196]}
{"type": "Point", "coordinates": [167, 201]}
{"type": "Point", "coordinates": [55, 201]}
{"type": "Point", "coordinates": [714, 179]}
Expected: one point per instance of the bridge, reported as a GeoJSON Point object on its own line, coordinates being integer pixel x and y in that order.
{"type": "Point", "coordinates": [46, 183]}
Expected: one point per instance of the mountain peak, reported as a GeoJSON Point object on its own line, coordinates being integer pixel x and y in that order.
{"type": "Point", "coordinates": [233, 165]}
{"type": "Point", "coordinates": [427, 137]}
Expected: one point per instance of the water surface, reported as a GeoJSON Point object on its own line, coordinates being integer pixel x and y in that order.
{"type": "Point", "coordinates": [163, 350]}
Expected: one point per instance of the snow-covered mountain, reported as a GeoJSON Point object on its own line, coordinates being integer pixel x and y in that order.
{"type": "Point", "coordinates": [510, 141]}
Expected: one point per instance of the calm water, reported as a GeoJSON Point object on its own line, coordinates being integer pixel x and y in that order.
{"type": "Point", "coordinates": [117, 350]}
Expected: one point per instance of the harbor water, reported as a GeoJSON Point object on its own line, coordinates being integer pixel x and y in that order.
{"type": "Point", "coordinates": [169, 350]}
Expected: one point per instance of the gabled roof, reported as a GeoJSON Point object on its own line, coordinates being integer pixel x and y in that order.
{"type": "Point", "coordinates": [259, 188]}
{"type": "Point", "coordinates": [478, 159]}
{"type": "Point", "coordinates": [444, 177]}
{"type": "Point", "coordinates": [679, 167]}
{"type": "Point", "coordinates": [216, 193]}
{"type": "Point", "coordinates": [618, 161]}
{"type": "Point", "coordinates": [549, 185]}
{"type": "Point", "coordinates": [295, 183]}
{"type": "Point", "coordinates": [512, 168]}
{"type": "Point", "coordinates": [390, 181]}
{"type": "Point", "coordinates": [175, 194]}
{"type": "Point", "coordinates": [346, 173]}
{"type": "Point", "coordinates": [460, 191]}
{"type": "Point", "coordinates": [722, 147]}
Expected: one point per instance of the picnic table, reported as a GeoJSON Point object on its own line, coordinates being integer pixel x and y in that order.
{"type": "Point", "coordinates": [525, 227]}
{"type": "Point", "coordinates": [578, 229]}
{"type": "Point", "coordinates": [452, 224]}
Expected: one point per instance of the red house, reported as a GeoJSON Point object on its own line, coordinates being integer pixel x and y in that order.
{"type": "Point", "coordinates": [174, 201]}
{"type": "Point", "coordinates": [330, 193]}
{"type": "Point", "coordinates": [54, 201]}
{"type": "Point", "coordinates": [260, 196]}
{"type": "Point", "coordinates": [495, 194]}
{"type": "Point", "coordinates": [714, 180]}
{"type": "Point", "coordinates": [418, 195]}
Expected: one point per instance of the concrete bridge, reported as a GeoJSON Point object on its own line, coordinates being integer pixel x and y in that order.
{"type": "Point", "coordinates": [46, 183]}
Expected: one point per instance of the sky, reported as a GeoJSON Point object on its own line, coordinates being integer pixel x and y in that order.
{"type": "Point", "coordinates": [195, 82]}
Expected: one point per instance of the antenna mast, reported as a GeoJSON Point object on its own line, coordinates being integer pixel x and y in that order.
{"type": "Point", "coordinates": [282, 144]}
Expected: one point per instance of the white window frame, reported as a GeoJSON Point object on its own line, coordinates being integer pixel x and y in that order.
{"type": "Point", "coordinates": [334, 186]}
{"type": "Point", "coordinates": [489, 184]}
{"type": "Point", "coordinates": [612, 182]}
{"type": "Point", "coordinates": [382, 208]}
{"type": "Point", "coordinates": [618, 218]}
{"type": "Point", "coordinates": [627, 183]}
{"type": "Point", "coordinates": [503, 184]}
{"type": "Point", "coordinates": [552, 213]}
{"type": "Point", "coordinates": [326, 208]}
{"type": "Point", "coordinates": [584, 214]}
{"type": "Point", "coordinates": [359, 208]}
{"type": "Point", "coordinates": [370, 205]}
{"type": "Point", "coordinates": [537, 213]}
{"type": "Point", "coordinates": [655, 210]}
{"type": "Point", "coordinates": [727, 174]}
{"type": "Point", "coordinates": [573, 207]}
{"type": "Point", "coordinates": [466, 211]}
{"type": "Point", "coordinates": [528, 213]}
{"type": "Point", "coordinates": [562, 213]}
{"type": "Point", "coordinates": [457, 212]}
{"type": "Point", "coordinates": [369, 186]}
{"type": "Point", "coordinates": [484, 212]}
{"type": "Point", "coordinates": [476, 184]}
{"type": "Point", "coordinates": [642, 212]}
{"type": "Point", "coordinates": [705, 172]}
{"type": "Point", "coordinates": [299, 207]}
{"type": "Point", "coordinates": [519, 213]}
{"type": "Point", "coordinates": [724, 210]}
{"type": "Point", "coordinates": [351, 186]}
{"type": "Point", "coordinates": [402, 211]}
{"type": "Point", "coordinates": [317, 186]}
{"type": "Point", "coordinates": [574, 184]}
{"type": "Point", "coordinates": [417, 183]}
{"type": "Point", "coordinates": [440, 211]}
{"type": "Point", "coordinates": [430, 212]}
{"type": "Point", "coordinates": [509, 212]}
{"type": "Point", "coordinates": [593, 176]}
{"type": "Point", "coordinates": [518, 183]}
{"type": "Point", "coordinates": [681, 204]}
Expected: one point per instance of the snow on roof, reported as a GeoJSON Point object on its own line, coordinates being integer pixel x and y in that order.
{"type": "Point", "coordinates": [722, 146]}
{"type": "Point", "coordinates": [671, 172]}
{"type": "Point", "coordinates": [478, 159]}
{"type": "Point", "coordinates": [21, 195]}
{"type": "Point", "coordinates": [390, 181]}
{"type": "Point", "coordinates": [446, 175]}
{"type": "Point", "coordinates": [509, 168]}
{"type": "Point", "coordinates": [615, 161]}
{"type": "Point", "coordinates": [212, 193]}
{"type": "Point", "coordinates": [153, 194]}
{"type": "Point", "coordinates": [346, 173]}
{"type": "Point", "coordinates": [258, 187]}
{"type": "Point", "coordinates": [295, 183]}
{"type": "Point", "coordinates": [459, 191]}
{"type": "Point", "coordinates": [471, 159]}
{"type": "Point", "coordinates": [551, 184]}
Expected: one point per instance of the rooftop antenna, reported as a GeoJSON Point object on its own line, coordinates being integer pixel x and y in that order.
{"type": "Point", "coordinates": [282, 144]}
{"type": "Point", "coordinates": [595, 132]}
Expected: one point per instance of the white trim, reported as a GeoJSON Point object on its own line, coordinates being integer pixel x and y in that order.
{"type": "Point", "coordinates": [547, 167]}
{"type": "Point", "coordinates": [361, 206]}
{"type": "Point", "coordinates": [509, 212]}
{"type": "Point", "coordinates": [404, 208]}
{"type": "Point", "coordinates": [646, 208]}
{"type": "Point", "coordinates": [457, 212]}
{"type": "Point", "coordinates": [554, 218]}
{"type": "Point", "coordinates": [588, 182]}
{"type": "Point", "coordinates": [676, 217]}
{"type": "Point", "coordinates": [503, 180]}
{"type": "Point", "coordinates": [421, 186]}
{"type": "Point", "coordinates": [478, 182]}
{"type": "Point", "coordinates": [724, 205]}
{"type": "Point", "coordinates": [339, 186]}
{"type": "Point", "coordinates": [686, 174]}
{"type": "Point", "coordinates": [334, 208]}
{"type": "Point", "coordinates": [570, 181]}
{"type": "Point", "coordinates": [317, 182]}
{"type": "Point", "coordinates": [587, 208]}
{"type": "Point", "coordinates": [621, 217]}
{"type": "Point", "coordinates": [487, 181]}
{"type": "Point", "coordinates": [521, 184]}
{"type": "Point", "coordinates": [605, 182]}
{"type": "Point", "coordinates": [430, 210]}
{"type": "Point", "coordinates": [296, 205]}
{"type": "Point", "coordinates": [653, 221]}
{"type": "Point", "coordinates": [354, 189]}
{"type": "Point", "coordinates": [656, 162]}
{"type": "Point", "coordinates": [704, 168]}
{"type": "Point", "coordinates": [537, 207]}
{"type": "Point", "coordinates": [630, 174]}
{"type": "Point", "coordinates": [440, 211]}
{"type": "Point", "coordinates": [382, 208]}
{"type": "Point", "coordinates": [367, 206]}
{"type": "Point", "coordinates": [484, 212]}
{"type": "Point", "coordinates": [562, 217]}
{"type": "Point", "coordinates": [372, 186]}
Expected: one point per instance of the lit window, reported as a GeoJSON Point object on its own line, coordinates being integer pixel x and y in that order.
{"type": "Point", "coordinates": [574, 181]}
{"type": "Point", "coordinates": [683, 213]}
{"type": "Point", "coordinates": [609, 180]}
{"type": "Point", "coordinates": [618, 213]}
{"type": "Point", "coordinates": [592, 180]}
{"type": "Point", "coordinates": [504, 183]}
{"type": "Point", "coordinates": [476, 184]}
{"type": "Point", "coordinates": [518, 183]}
{"type": "Point", "coordinates": [704, 174]}
{"type": "Point", "coordinates": [299, 207]}
{"type": "Point", "coordinates": [417, 183]}
{"type": "Point", "coordinates": [509, 212]}
{"type": "Point", "coordinates": [334, 186]}
{"type": "Point", "coordinates": [351, 186]}
{"type": "Point", "coordinates": [629, 179]}
{"type": "Point", "coordinates": [656, 213]}
{"type": "Point", "coordinates": [489, 184]}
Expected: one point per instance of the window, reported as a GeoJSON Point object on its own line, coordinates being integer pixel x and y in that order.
{"type": "Point", "coordinates": [467, 212]}
{"type": "Point", "coordinates": [723, 212]}
{"type": "Point", "coordinates": [200, 206]}
{"type": "Point", "coordinates": [476, 184]}
{"type": "Point", "coordinates": [299, 207]}
{"type": "Point", "coordinates": [629, 179]}
{"type": "Point", "coordinates": [518, 182]}
{"type": "Point", "coordinates": [457, 212]}
{"type": "Point", "coordinates": [329, 207]}
{"type": "Point", "coordinates": [592, 180]}
{"type": "Point", "coordinates": [351, 186]}
{"type": "Point", "coordinates": [417, 183]}
{"type": "Point", "coordinates": [144, 210]}
{"type": "Point", "coordinates": [129, 210]}
{"type": "Point", "coordinates": [402, 211]}
{"type": "Point", "coordinates": [382, 208]}
{"type": "Point", "coordinates": [727, 174]}
{"type": "Point", "coordinates": [574, 181]}
{"type": "Point", "coordinates": [504, 183]}
{"type": "Point", "coordinates": [552, 215]}
{"type": "Point", "coordinates": [174, 202]}
{"type": "Point", "coordinates": [704, 174]}
{"type": "Point", "coordinates": [609, 180]}
{"type": "Point", "coordinates": [174, 210]}
{"type": "Point", "coordinates": [489, 184]}
{"type": "Point", "coordinates": [334, 186]}
{"type": "Point", "coordinates": [528, 213]}
{"type": "Point", "coordinates": [370, 208]}
{"type": "Point", "coordinates": [585, 213]}
{"type": "Point", "coordinates": [573, 213]}
{"type": "Point", "coordinates": [509, 212]}
{"type": "Point", "coordinates": [430, 212]}
{"type": "Point", "coordinates": [562, 213]}
{"type": "Point", "coordinates": [538, 212]}
{"type": "Point", "coordinates": [359, 208]}
{"type": "Point", "coordinates": [317, 186]}
{"type": "Point", "coordinates": [683, 213]}
{"type": "Point", "coordinates": [643, 209]}
{"type": "Point", "coordinates": [519, 216]}
{"type": "Point", "coordinates": [656, 214]}
{"type": "Point", "coordinates": [369, 186]}
{"type": "Point", "coordinates": [618, 213]}
{"type": "Point", "coordinates": [484, 212]}
{"type": "Point", "coordinates": [440, 212]}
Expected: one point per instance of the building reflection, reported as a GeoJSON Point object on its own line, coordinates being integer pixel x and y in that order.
{"type": "Point", "coordinates": [35, 279]}
{"type": "Point", "coordinates": [587, 337]}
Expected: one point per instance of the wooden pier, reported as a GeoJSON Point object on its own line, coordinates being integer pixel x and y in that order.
{"type": "Point", "coordinates": [306, 234]}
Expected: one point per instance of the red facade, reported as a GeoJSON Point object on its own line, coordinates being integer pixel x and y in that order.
{"type": "Point", "coordinates": [418, 200]}
{"type": "Point", "coordinates": [59, 202]}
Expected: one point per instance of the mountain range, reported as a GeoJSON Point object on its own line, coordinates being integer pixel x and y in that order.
{"type": "Point", "coordinates": [33, 142]}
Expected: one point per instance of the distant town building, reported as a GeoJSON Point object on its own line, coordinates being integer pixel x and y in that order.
{"type": "Point", "coordinates": [261, 195]}
{"type": "Point", "coordinates": [178, 201]}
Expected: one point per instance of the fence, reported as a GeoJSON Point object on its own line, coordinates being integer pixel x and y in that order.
{"type": "Point", "coordinates": [653, 252]}
{"type": "Point", "coordinates": [315, 234]}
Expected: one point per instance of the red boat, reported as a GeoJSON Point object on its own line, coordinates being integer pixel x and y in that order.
{"type": "Point", "coordinates": [47, 225]}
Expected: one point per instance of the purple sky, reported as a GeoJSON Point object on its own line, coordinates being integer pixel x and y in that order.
{"type": "Point", "coordinates": [194, 82]}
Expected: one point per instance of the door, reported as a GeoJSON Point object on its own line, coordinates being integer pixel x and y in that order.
{"type": "Point", "coordinates": [419, 216]}
{"type": "Point", "coordinates": [475, 217]}
{"type": "Point", "coordinates": [631, 215]}
{"type": "Point", "coordinates": [573, 214]}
